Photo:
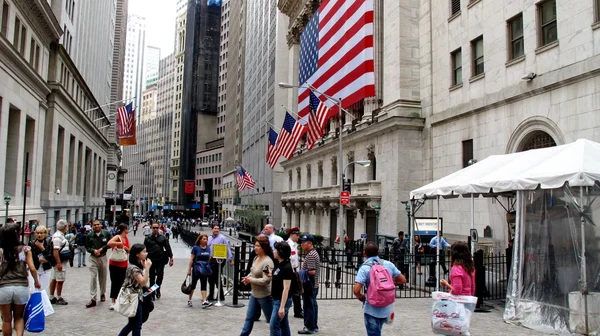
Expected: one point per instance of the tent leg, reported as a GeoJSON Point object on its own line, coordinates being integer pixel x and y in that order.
{"type": "Point", "coordinates": [516, 290]}
{"type": "Point", "coordinates": [584, 290]}
{"type": "Point", "coordinates": [437, 261]}
{"type": "Point", "coordinates": [472, 223]}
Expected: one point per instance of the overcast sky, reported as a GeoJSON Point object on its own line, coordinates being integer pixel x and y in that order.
{"type": "Point", "coordinates": [160, 22]}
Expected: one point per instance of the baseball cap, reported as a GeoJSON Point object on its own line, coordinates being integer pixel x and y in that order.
{"type": "Point", "coordinates": [308, 237]}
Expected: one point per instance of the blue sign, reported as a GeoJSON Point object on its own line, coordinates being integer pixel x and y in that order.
{"type": "Point", "coordinates": [363, 236]}
{"type": "Point", "coordinates": [214, 3]}
{"type": "Point", "coordinates": [427, 226]}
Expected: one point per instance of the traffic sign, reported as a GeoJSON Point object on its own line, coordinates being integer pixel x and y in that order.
{"type": "Point", "coordinates": [347, 185]}
{"type": "Point", "coordinates": [345, 198]}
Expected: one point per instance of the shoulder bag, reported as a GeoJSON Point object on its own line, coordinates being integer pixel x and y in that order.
{"type": "Point", "coordinates": [127, 300]}
{"type": "Point", "coordinates": [119, 254]}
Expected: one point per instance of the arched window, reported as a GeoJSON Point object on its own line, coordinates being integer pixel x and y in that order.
{"type": "Point", "coordinates": [320, 174]}
{"type": "Point", "coordinates": [289, 180]}
{"type": "Point", "coordinates": [299, 178]}
{"type": "Point", "coordinates": [308, 176]}
{"type": "Point", "coordinates": [372, 169]}
{"type": "Point", "coordinates": [334, 171]}
{"type": "Point", "coordinates": [537, 140]}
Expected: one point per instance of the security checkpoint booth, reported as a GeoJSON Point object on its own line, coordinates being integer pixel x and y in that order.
{"type": "Point", "coordinates": [554, 282]}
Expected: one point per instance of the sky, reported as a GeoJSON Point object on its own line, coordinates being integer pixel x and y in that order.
{"type": "Point", "coordinates": [160, 22]}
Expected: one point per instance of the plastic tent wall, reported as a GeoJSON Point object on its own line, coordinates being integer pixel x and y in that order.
{"type": "Point", "coordinates": [546, 294]}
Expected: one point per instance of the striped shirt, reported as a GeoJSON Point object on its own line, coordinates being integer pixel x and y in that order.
{"type": "Point", "coordinates": [312, 261]}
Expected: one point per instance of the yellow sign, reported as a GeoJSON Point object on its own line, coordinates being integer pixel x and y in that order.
{"type": "Point", "coordinates": [220, 251]}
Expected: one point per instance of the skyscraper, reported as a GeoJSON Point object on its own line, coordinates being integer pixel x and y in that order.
{"type": "Point", "coordinates": [152, 59]}
{"type": "Point", "coordinates": [133, 81]}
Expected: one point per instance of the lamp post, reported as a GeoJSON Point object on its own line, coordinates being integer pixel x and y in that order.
{"type": "Point", "coordinates": [363, 163]}
{"type": "Point", "coordinates": [407, 208]}
{"type": "Point", "coordinates": [7, 202]}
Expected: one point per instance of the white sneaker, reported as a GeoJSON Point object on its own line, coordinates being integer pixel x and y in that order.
{"type": "Point", "coordinates": [190, 304]}
{"type": "Point", "coordinates": [112, 307]}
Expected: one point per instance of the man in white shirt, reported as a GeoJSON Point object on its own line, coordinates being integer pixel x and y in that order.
{"type": "Point", "coordinates": [60, 244]}
{"type": "Point", "coordinates": [273, 238]}
{"type": "Point", "coordinates": [295, 261]}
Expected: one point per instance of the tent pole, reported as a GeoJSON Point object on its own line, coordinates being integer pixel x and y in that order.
{"type": "Point", "coordinates": [584, 290]}
{"type": "Point", "coordinates": [472, 222]}
{"type": "Point", "coordinates": [437, 261]}
{"type": "Point", "coordinates": [413, 271]}
{"type": "Point", "coordinates": [516, 290]}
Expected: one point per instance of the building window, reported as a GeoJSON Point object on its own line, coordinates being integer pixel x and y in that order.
{"type": "Point", "coordinates": [515, 31]}
{"type": "Point", "coordinates": [17, 32]}
{"type": "Point", "coordinates": [477, 52]}
{"type": "Point", "coordinates": [320, 176]}
{"type": "Point", "coordinates": [4, 26]}
{"type": "Point", "coordinates": [456, 67]}
{"type": "Point", "coordinates": [597, 10]}
{"type": "Point", "coordinates": [299, 179]}
{"type": "Point", "coordinates": [467, 152]}
{"type": "Point", "coordinates": [547, 22]}
{"type": "Point", "coordinates": [454, 6]}
{"type": "Point", "coordinates": [290, 180]}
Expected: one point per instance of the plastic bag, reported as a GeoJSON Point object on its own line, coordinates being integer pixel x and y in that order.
{"type": "Point", "coordinates": [35, 321]}
{"type": "Point", "coordinates": [451, 314]}
{"type": "Point", "coordinates": [48, 310]}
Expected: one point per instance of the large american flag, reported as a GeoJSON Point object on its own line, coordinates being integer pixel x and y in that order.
{"type": "Point", "coordinates": [336, 54]}
{"type": "Point", "coordinates": [317, 119]}
{"type": "Point", "coordinates": [271, 158]}
{"type": "Point", "coordinates": [244, 179]}
{"type": "Point", "coordinates": [125, 119]}
{"type": "Point", "coordinates": [289, 136]}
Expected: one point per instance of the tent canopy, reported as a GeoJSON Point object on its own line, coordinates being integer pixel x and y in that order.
{"type": "Point", "coordinates": [229, 219]}
{"type": "Point", "coordinates": [577, 164]}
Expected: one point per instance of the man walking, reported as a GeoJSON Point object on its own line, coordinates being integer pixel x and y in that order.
{"type": "Point", "coordinates": [311, 264]}
{"type": "Point", "coordinates": [273, 238]}
{"type": "Point", "coordinates": [96, 245]}
{"type": "Point", "coordinates": [399, 247]}
{"type": "Point", "coordinates": [159, 251]}
{"type": "Point", "coordinates": [217, 238]}
{"type": "Point", "coordinates": [295, 261]}
{"type": "Point", "coordinates": [59, 274]}
{"type": "Point", "coordinates": [374, 317]}
{"type": "Point", "coordinates": [433, 243]}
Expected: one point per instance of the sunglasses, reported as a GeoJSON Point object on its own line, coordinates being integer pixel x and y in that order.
{"type": "Point", "coordinates": [155, 228]}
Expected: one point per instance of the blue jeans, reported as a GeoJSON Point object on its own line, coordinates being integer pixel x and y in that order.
{"type": "Point", "coordinates": [374, 325]}
{"type": "Point", "coordinates": [311, 309]}
{"type": "Point", "coordinates": [82, 253]}
{"type": "Point", "coordinates": [280, 327]}
{"type": "Point", "coordinates": [134, 326]}
{"type": "Point", "coordinates": [255, 304]}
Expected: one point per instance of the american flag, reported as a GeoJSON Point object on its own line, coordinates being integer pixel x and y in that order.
{"type": "Point", "coordinates": [125, 119]}
{"type": "Point", "coordinates": [271, 158]}
{"type": "Point", "coordinates": [336, 54]}
{"type": "Point", "coordinates": [289, 136]}
{"type": "Point", "coordinates": [244, 179]}
{"type": "Point", "coordinates": [317, 119]}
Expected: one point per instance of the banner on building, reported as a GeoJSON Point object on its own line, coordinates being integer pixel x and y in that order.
{"type": "Point", "coordinates": [126, 125]}
{"type": "Point", "coordinates": [111, 180]}
{"type": "Point", "coordinates": [189, 187]}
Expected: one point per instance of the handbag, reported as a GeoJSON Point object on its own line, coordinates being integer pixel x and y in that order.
{"type": "Point", "coordinates": [185, 288]}
{"type": "Point", "coordinates": [202, 268]}
{"type": "Point", "coordinates": [127, 302]}
{"type": "Point", "coordinates": [118, 254]}
{"type": "Point", "coordinates": [35, 321]}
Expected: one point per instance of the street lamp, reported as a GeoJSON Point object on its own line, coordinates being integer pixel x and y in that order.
{"type": "Point", "coordinates": [407, 208]}
{"type": "Point", "coordinates": [7, 202]}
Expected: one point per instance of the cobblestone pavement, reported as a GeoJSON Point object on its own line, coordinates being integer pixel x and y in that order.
{"type": "Point", "coordinates": [172, 316]}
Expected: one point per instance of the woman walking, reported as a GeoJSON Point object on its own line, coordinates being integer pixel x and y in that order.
{"type": "Point", "coordinates": [81, 242]}
{"type": "Point", "coordinates": [41, 253]}
{"type": "Point", "coordinates": [200, 253]}
{"type": "Point", "coordinates": [135, 278]}
{"type": "Point", "coordinates": [260, 283]}
{"type": "Point", "coordinates": [419, 251]}
{"type": "Point", "coordinates": [14, 285]}
{"type": "Point", "coordinates": [117, 269]}
{"type": "Point", "coordinates": [462, 273]}
{"type": "Point", "coordinates": [284, 286]}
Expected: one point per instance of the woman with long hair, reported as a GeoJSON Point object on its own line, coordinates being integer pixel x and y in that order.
{"type": "Point", "coordinates": [419, 251]}
{"type": "Point", "coordinates": [41, 252]}
{"type": "Point", "coordinates": [260, 283]}
{"type": "Point", "coordinates": [117, 269]}
{"type": "Point", "coordinates": [200, 252]}
{"type": "Point", "coordinates": [283, 287]}
{"type": "Point", "coordinates": [14, 285]}
{"type": "Point", "coordinates": [136, 277]}
{"type": "Point", "coordinates": [462, 273]}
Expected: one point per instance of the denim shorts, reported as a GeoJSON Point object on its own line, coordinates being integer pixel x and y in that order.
{"type": "Point", "coordinates": [14, 294]}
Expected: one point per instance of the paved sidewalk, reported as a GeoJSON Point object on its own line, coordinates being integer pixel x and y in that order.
{"type": "Point", "coordinates": [172, 317]}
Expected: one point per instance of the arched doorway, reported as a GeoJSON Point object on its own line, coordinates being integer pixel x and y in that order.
{"type": "Point", "coordinates": [534, 133]}
{"type": "Point", "coordinates": [536, 140]}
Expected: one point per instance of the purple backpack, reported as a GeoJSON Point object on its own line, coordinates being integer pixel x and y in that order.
{"type": "Point", "coordinates": [381, 291]}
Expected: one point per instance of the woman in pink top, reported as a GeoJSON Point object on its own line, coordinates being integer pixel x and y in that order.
{"type": "Point", "coordinates": [118, 269]}
{"type": "Point", "coordinates": [462, 274]}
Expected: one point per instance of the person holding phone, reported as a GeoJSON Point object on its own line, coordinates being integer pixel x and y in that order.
{"type": "Point", "coordinates": [260, 283]}
{"type": "Point", "coordinates": [136, 277]}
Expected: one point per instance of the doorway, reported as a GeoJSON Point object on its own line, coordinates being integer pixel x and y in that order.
{"type": "Point", "coordinates": [371, 225]}
{"type": "Point", "coordinates": [350, 224]}
{"type": "Point", "coordinates": [332, 226]}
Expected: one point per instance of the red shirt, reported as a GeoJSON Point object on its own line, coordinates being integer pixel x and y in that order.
{"type": "Point", "coordinates": [121, 263]}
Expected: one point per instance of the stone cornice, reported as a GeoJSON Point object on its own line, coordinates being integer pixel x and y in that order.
{"type": "Point", "coordinates": [41, 17]}
{"type": "Point", "coordinates": [372, 131]}
{"type": "Point", "coordinates": [299, 12]}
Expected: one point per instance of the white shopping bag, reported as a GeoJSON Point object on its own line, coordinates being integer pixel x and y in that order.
{"type": "Point", "coordinates": [451, 314]}
{"type": "Point", "coordinates": [48, 310]}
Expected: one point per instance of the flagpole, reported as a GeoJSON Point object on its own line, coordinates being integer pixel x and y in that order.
{"type": "Point", "coordinates": [115, 102]}
{"type": "Point", "coordinates": [331, 99]}
{"type": "Point", "coordinates": [290, 111]}
{"type": "Point", "coordinates": [273, 126]}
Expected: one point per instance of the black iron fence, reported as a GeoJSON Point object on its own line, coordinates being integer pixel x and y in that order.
{"type": "Point", "coordinates": [339, 268]}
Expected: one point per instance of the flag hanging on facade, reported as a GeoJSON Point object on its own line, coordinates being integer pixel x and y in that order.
{"type": "Point", "coordinates": [336, 55]}
{"type": "Point", "coordinates": [244, 179]}
{"type": "Point", "coordinates": [126, 125]}
{"type": "Point", "coordinates": [289, 136]}
{"type": "Point", "coordinates": [271, 158]}
{"type": "Point", "coordinates": [317, 119]}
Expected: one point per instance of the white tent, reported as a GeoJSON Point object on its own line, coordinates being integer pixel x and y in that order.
{"type": "Point", "coordinates": [577, 164]}
{"type": "Point", "coordinates": [555, 192]}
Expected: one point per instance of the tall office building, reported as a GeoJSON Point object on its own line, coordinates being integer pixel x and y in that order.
{"type": "Point", "coordinates": [164, 122]}
{"type": "Point", "coordinates": [266, 54]}
{"type": "Point", "coordinates": [152, 58]}
{"type": "Point", "coordinates": [133, 81]}
{"type": "Point", "coordinates": [223, 63]}
{"type": "Point", "coordinates": [234, 101]}
{"type": "Point", "coordinates": [200, 81]}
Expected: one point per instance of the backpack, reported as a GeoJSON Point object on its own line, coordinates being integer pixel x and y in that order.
{"type": "Point", "coordinates": [381, 291]}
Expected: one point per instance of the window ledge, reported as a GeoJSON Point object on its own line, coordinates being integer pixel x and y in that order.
{"type": "Point", "coordinates": [457, 14]}
{"type": "Point", "coordinates": [476, 78]}
{"type": "Point", "coordinates": [473, 3]}
{"type": "Point", "coordinates": [546, 47]}
{"type": "Point", "coordinates": [596, 25]}
{"type": "Point", "coordinates": [456, 87]}
{"type": "Point", "coordinates": [515, 61]}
